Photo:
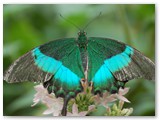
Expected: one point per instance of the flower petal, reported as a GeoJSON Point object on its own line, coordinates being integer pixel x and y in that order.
{"type": "Point", "coordinates": [69, 114]}
{"type": "Point", "coordinates": [105, 94]}
{"type": "Point", "coordinates": [48, 111]}
{"type": "Point", "coordinates": [57, 113]}
{"type": "Point", "coordinates": [40, 95]}
{"type": "Point", "coordinates": [54, 104]}
{"type": "Point", "coordinates": [36, 101]}
{"type": "Point", "coordinates": [75, 108]}
{"type": "Point", "coordinates": [97, 99]}
{"type": "Point", "coordinates": [83, 113]}
{"type": "Point", "coordinates": [123, 91]}
{"type": "Point", "coordinates": [91, 108]}
{"type": "Point", "coordinates": [111, 98]}
{"type": "Point", "coordinates": [120, 97]}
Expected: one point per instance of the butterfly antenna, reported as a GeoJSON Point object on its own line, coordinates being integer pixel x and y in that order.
{"type": "Point", "coordinates": [92, 21]}
{"type": "Point", "coordinates": [70, 22]}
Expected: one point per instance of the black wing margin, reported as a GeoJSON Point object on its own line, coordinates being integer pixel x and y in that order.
{"type": "Point", "coordinates": [24, 69]}
{"type": "Point", "coordinates": [140, 67]}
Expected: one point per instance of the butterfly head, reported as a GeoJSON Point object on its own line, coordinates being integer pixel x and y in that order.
{"type": "Point", "coordinates": [82, 33]}
{"type": "Point", "coordinates": [82, 39]}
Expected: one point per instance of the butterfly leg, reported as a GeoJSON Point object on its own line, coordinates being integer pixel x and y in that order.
{"type": "Point", "coordinates": [64, 109]}
{"type": "Point", "coordinates": [60, 92]}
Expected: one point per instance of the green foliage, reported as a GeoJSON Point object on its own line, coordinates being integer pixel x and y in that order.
{"type": "Point", "coordinates": [27, 26]}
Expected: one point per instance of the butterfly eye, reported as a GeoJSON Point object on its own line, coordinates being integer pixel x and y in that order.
{"type": "Point", "coordinates": [85, 33]}
{"type": "Point", "coordinates": [79, 33]}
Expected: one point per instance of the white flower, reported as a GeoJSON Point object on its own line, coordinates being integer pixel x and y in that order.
{"type": "Point", "coordinates": [105, 99]}
{"type": "Point", "coordinates": [121, 94]}
{"type": "Point", "coordinates": [83, 113]}
{"type": "Point", "coordinates": [54, 104]}
{"type": "Point", "coordinates": [40, 95]}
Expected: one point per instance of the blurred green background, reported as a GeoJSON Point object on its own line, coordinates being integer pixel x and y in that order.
{"type": "Point", "coordinates": [27, 26]}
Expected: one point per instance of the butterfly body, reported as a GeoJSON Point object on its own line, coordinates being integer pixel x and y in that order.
{"type": "Point", "coordinates": [64, 65]}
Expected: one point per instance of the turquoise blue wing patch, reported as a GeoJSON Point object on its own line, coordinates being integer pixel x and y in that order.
{"type": "Point", "coordinates": [119, 61]}
{"type": "Point", "coordinates": [45, 63]}
{"type": "Point", "coordinates": [104, 77]}
{"type": "Point", "coordinates": [61, 74]}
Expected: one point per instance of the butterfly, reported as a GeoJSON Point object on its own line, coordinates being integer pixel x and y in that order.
{"type": "Point", "coordinates": [65, 66]}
